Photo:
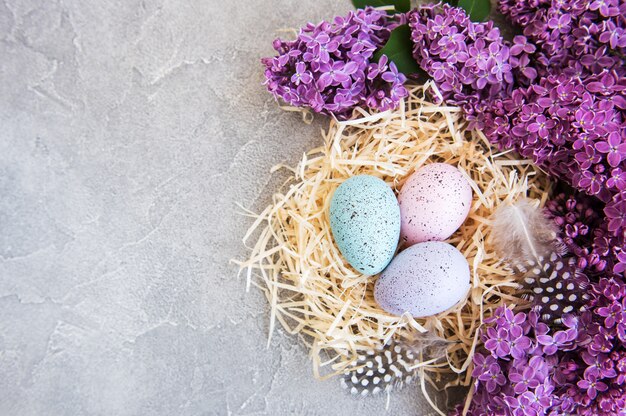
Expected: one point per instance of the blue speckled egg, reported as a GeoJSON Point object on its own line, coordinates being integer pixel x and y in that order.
{"type": "Point", "coordinates": [365, 221]}
{"type": "Point", "coordinates": [423, 280]}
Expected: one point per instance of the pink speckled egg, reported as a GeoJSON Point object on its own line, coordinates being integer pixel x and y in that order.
{"type": "Point", "coordinates": [434, 202]}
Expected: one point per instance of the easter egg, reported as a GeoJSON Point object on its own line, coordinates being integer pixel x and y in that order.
{"type": "Point", "coordinates": [423, 280]}
{"type": "Point", "coordinates": [365, 222]}
{"type": "Point", "coordinates": [434, 202]}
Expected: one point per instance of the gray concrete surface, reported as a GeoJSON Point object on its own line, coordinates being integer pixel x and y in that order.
{"type": "Point", "coordinates": [128, 131]}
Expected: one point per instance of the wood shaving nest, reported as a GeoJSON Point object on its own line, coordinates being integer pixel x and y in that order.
{"type": "Point", "coordinates": [313, 292]}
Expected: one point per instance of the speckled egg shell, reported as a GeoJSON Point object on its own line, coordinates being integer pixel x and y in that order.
{"type": "Point", "coordinates": [434, 202]}
{"type": "Point", "coordinates": [365, 221]}
{"type": "Point", "coordinates": [423, 280]}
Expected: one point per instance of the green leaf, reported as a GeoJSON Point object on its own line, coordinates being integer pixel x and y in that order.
{"type": "Point", "coordinates": [478, 10]}
{"type": "Point", "coordinates": [401, 6]}
{"type": "Point", "coordinates": [399, 50]}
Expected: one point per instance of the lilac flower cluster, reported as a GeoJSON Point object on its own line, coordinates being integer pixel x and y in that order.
{"type": "Point", "coordinates": [468, 61]}
{"type": "Point", "coordinates": [578, 367]}
{"type": "Point", "coordinates": [580, 59]}
{"type": "Point", "coordinates": [528, 368]}
{"type": "Point", "coordinates": [597, 386]}
{"type": "Point", "coordinates": [569, 31]}
{"type": "Point", "coordinates": [330, 67]}
{"type": "Point", "coordinates": [557, 94]}
{"type": "Point", "coordinates": [571, 132]}
{"type": "Point", "coordinates": [586, 356]}
{"type": "Point", "coordinates": [586, 234]}
{"type": "Point", "coordinates": [515, 373]}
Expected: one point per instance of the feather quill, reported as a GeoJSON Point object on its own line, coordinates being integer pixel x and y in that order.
{"type": "Point", "coordinates": [522, 235]}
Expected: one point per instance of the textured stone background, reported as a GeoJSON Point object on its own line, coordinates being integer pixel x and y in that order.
{"type": "Point", "coordinates": [128, 131]}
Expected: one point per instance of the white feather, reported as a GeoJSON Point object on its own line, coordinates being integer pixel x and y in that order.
{"type": "Point", "coordinates": [522, 234]}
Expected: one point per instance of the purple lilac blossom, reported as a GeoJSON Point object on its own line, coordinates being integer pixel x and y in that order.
{"type": "Point", "coordinates": [580, 58]}
{"type": "Point", "coordinates": [587, 236]}
{"type": "Point", "coordinates": [579, 368]}
{"type": "Point", "coordinates": [330, 67]}
{"type": "Point", "coordinates": [468, 61]}
{"type": "Point", "coordinates": [557, 93]}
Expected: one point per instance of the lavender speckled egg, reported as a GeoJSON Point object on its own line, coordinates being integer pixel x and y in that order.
{"type": "Point", "coordinates": [434, 202]}
{"type": "Point", "coordinates": [423, 280]}
{"type": "Point", "coordinates": [365, 221]}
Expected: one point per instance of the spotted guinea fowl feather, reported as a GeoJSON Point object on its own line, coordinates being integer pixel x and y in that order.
{"type": "Point", "coordinates": [525, 238]}
{"type": "Point", "coordinates": [391, 366]}
{"type": "Point", "coordinates": [558, 289]}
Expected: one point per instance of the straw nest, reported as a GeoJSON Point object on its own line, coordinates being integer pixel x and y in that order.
{"type": "Point", "coordinates": [315, 293]}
